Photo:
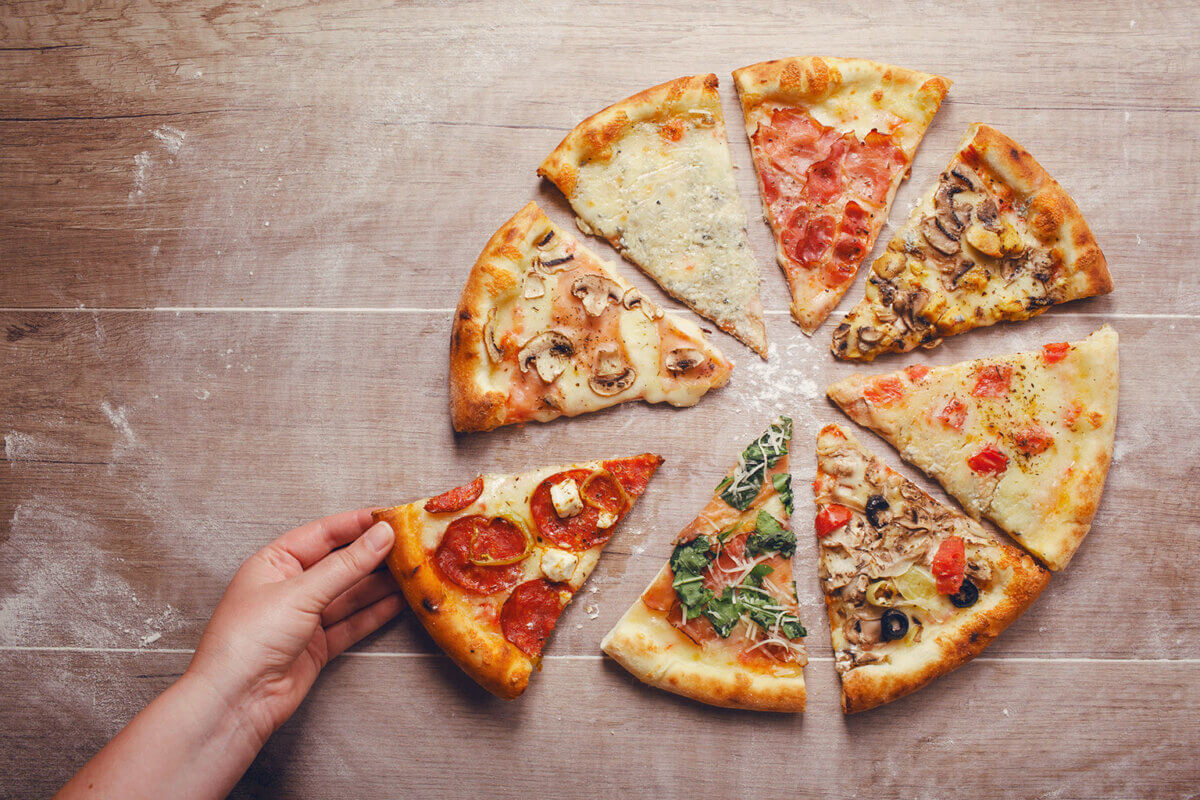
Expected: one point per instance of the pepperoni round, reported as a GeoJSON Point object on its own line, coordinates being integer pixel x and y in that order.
{"type": "Point", "coordinates": [491, 538]}
{"type": "Point", "coordinates": [579, 532]}
{"type": "Point", "coordinates": [455, 499]}
{"type": "Point", "coordinates": [530, 613]}
{"type": "Point", "coordinates": [634, 472]}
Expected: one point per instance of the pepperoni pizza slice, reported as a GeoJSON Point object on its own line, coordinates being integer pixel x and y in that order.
{"type": "Point", "coordinates": [994, 239]}
{"type": "Point", "coordinates": [720, 622]}
{"type": "Point", "coordinates": [913, 588]}
{"type": "Point", "coordinates": [546, 329]}
{"type": "Point", "coordinates": [832, 139]}
{"type": "Point", "coordinates": [652, 175]}
{"type": "Point", "coordinates": [1024, 440]}
{"type": "Point", "coordinates": [489, 567]}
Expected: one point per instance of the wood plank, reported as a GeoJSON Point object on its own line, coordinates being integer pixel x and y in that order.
{"type": "Point", "coordinates": [381, 727]}
{"type": "Point", "coordinates": [241, 166]}
{"type": "Point", "coordinates": [149, 453]}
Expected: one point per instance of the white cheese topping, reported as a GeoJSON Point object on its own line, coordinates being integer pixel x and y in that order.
{"type": "Point", "coordinates": [566, 500]}
{"type": "Point", "coordinates": [606, 520]}
{"type": "Point", "coordinates": [559, 565]}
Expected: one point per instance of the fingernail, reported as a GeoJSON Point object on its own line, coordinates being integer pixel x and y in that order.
{"type": "Point", "coordinates": [379, 536]}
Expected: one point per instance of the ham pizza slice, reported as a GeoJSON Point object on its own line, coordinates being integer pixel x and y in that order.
{"type": "Point", "coordinates": [913, 588]}
{"type": "Point", "coordinates": [720, 622]}
{"type": "Point", "coordinates": [994, 239]}
{"type": "Point", "coordinates": [832, 138]}
{"type": "Point", "coordinates": [652, 175]}
{"type": "Point", "coordinates": [546, 329]}
{"type": "Point", "coordinates": [1024, 440]}
{"type": "Point", "coordinates": [489, 567]}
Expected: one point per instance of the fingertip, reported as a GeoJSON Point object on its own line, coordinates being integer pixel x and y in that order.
{"type": "Point", "coordinates": [379, 537]}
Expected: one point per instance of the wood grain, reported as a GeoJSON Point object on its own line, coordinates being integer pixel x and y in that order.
{"type": "Point", "coordinates": [230, 234]}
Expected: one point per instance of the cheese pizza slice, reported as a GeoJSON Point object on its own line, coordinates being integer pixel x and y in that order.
{"type": "Point", "coordinates": [652, 175]}
{"type": "Point", "coordinates": [489, 567]}
{"type": "Point", "coordinates": [546, 329]}
{"type": "Point", "coordinates": [832, 139]}
{"type": "Point", "coordinates": [720, 623]}
{"type": "Point", "coordinates": [913, 588]}
{"type": "Point", "coordinates": [1024, 440]}
{"type": "Point", "coordinates": [995, 238]}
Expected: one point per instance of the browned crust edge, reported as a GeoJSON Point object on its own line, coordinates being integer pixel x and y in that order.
{"type": "Point", "coordinates": [487, 657]}
{"type": "Point", "coordinates": [472, 408]}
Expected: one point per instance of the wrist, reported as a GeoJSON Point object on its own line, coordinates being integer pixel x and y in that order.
{"type": "Point", "coordinates": [227, 712]}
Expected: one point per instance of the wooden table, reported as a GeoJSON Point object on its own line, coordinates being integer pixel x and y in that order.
{"type": "Point", "coordinates": [231, 236]}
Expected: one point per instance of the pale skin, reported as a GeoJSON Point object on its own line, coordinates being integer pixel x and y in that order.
{"type": "Point", "coordinates": [291, 608]}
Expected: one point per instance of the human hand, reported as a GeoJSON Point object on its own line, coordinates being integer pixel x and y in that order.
{"type": "Point", "coordinates": [292, 607]}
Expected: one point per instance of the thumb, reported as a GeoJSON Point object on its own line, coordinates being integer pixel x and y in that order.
{"type": "Point", "coordinates": [343, 568]}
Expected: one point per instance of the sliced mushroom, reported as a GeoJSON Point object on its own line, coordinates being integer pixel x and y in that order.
{"type": "Point", "coordinates": [968, 178]}
{"type": "Point", "coordinates": [988, 214]}
{"type": "Point", "coordinates": [611, 374]}
{"type": "Point", "coordinates": [596, 292]}
{"type": "Point", "coordinates": [962, 269]}
{"type": "Point", "coordinates": [489, 338]}
{"type": "Point", "coordinates": [939, 239]}
{"type": "Point", "coordinates": [945, 211]}
{"type": "Point", "coordinates": [556, 264]}
{"type": "Point", "coordinates": [869, 335]}
{"type": "Point", "coordinates": [634, 299]}
{"type": "Point", "coordinates": [544, 242]}
{"type": "Point", "coordinates": [683, 359]}
{"type": "Point", "coordinates": [548, 354]}
{"type": "Point", "coordinates": [534, 286]}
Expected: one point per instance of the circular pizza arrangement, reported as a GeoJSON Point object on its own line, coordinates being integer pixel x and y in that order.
{"type": "Point", "coordinates": [545, 328]}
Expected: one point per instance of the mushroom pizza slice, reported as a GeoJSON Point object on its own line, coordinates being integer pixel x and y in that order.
{"type": "Point", "coordinates": [994, 239]}
{"type": "Point", "coordinates": [914, 589]}
{"type": "Point", "coordinates": [489, 567]}
{"type": "Point", "coordinates": [1024, 440]}
{"type": "Point", "coordinates": [652, 175]}
{"type": "Point", "coordinates": [546, 329]}
{"type": "Point", "coordinates": [832, 139]}
{"type": "Point", "coordinates": [720, 623]}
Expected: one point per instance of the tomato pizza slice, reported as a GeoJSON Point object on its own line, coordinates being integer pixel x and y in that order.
{"type": "Point", "coordinates": [720, 623]}
{"type": "Point", "coordinates": [489, 567]}
{"type": "Point", "coordinates": [913, 588]}
{"type": "Point", "coordinates": [832, 138]}
{"type": "Point", "coordinates": [994, 239]}
{"type": "Point", "coordinates": [1024, 440]}
{"type": "Point", "coordinates": [546, 329]}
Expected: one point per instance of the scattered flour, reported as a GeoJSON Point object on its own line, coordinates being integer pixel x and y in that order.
{"type": "Point", "coordinates": [775, 385]}
{"type": "Point", "coordinates": [593, 611]}
{"type": "Point", "coordinates": [141, 174]}
{"type": "Point", "coordinates": [171, 138]}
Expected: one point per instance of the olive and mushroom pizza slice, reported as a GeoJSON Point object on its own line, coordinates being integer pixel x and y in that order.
{"type": "Point", "coordinates": [720, 622]}
{"type": "Point", "coordinates": [546, 329]}
{"type": "Point", "coordinates": [489, 567]}
{"type": "Point", "coordinates": [995, 238]}
{"type": "Point", "coordinates": [913, 588]}
{"type": "Point", "coordinates": [652, 175]}
{"type": "Point", "coordinates": [832, 139]}
{"type": "Point", "coordinates": [1024, 440]}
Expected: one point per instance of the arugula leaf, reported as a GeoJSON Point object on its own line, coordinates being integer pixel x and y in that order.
{"type": "Point", "coordinates": [692, 593]}
{"type": "Point", "coordinates": [785, 622]}
{"type": "Point", "coordinates": [762, 454]}
{"type": "Point", "coordinates": [723, 612]}
{"type": "Point", "coordinates": [692, 557]}
{"type": "Point", "coordinates": [755, 576]}
{"type": "Point", "coordinates": [723, 536]}
{"type": "Point", "coordinates": [770, 536]}
{"type": "Point", "coordinates": [783, 485]}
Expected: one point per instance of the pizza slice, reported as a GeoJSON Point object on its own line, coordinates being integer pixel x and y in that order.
{"type": "Point", "coordinates": [832, 138]}
{"type": "Point", "coordinates": [720, 623]}
{"type": "Point", "coordinates": [489, 567]}
{"type": "Point", "coordinates": [546, 329]}
{"type": "Point", "coordinates": [995, 238]}
{"type": "Point", "coordinates": [913, 588]}
{"type": "Point", "coordinates": [652, 175]}
{"type": "Point", "coordinates": [1024, 440]}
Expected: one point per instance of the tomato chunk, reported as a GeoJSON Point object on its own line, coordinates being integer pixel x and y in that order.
{"type": "Point", "coordinates": [954, 414]}
{"type": "Point", "coordinates": [916, 372]}
{"type": "Point", "coordinates": [884, 391]}
{"type": "Point", "coordinates": [832, 517]}
{"type": "Point", "coordinates": [1033, 440]}
{"type": "Point", "coordinates": [1055, 351]}
{"type": "Point", "coordinates": [988, 461]}
{"type": "Point", "coordinates": [993, 381]}
{"type": "Point", "coordinates": [950, 565]}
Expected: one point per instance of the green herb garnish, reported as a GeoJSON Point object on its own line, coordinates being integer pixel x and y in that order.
{"type": "Point", "coordinates": [740, 489]}
{"type": "Point", "coordinates": [770, 537]}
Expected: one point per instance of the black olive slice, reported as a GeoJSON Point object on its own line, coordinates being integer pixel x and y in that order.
{"type": "Point", "coordinates": [875, 504]}
{"type": "Point", "coordinates": [966, 596]}
{"type": "Point", "coordinates": [894, 625]}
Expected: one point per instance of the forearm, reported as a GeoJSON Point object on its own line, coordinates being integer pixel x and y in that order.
{"type": "Point", "coordinates": [189, 743]}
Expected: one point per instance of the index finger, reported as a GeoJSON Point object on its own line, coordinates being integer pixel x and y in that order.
{"type": "Point", "coordinates": [312, 541]}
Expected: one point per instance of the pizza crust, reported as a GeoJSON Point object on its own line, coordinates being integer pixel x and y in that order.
{"type": "Point", "coordinates": [658, 654]}
{"type": "Point", "coordinates": [871, 685]}
{"type": "Point", "coordinates": [485, 655]}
